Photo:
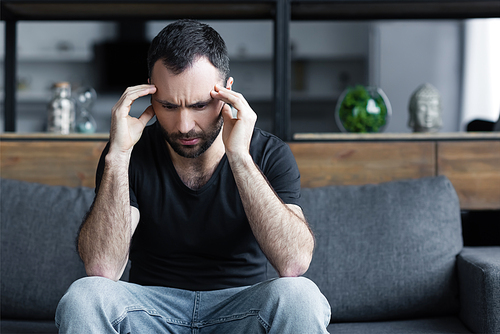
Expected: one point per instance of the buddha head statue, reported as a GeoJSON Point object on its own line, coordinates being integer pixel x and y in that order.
{"type": "Point", "coordinates": [425, 109]}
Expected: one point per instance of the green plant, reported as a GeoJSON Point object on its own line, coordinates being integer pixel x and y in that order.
{"type": "Point", "coordinates": [362, 110]}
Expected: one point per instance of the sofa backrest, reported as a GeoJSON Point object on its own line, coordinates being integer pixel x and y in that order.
{"type": "Point", "coordinates": [383, 251]}
{"type": "Point", "coordinates": [386, 251]}
{"type": "Point", "coordinates": [38, 252]}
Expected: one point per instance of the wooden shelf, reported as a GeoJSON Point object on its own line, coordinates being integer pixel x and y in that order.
{"type": "Point", "coordinates": [306, 137]}
{"type": "Point", "coordinates": [455, 136]}
{"type": "Point", "coordinates": [54, 137]}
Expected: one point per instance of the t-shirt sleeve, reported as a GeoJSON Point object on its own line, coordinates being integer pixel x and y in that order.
{"type": "Point", "coordinates": [100, 172]}
{"type": "Point", "coordinates": [281, 170]}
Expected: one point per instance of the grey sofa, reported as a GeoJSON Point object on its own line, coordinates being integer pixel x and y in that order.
{"type": "Point", "coordinates": [389, 257]}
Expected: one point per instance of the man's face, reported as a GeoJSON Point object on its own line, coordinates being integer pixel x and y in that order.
{"type": "Point", "coordinates": [190, 118]}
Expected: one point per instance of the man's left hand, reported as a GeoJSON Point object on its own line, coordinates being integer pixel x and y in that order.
{"type": "Point", "coordinates": [238, 130]}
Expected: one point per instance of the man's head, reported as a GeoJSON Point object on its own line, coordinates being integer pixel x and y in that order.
{"type": "Point", "coordinates": [181, 43]}
{"type": "Point", "coordinates": [186, 60]}
{"type": "Point", "coordinates": [190, 119]}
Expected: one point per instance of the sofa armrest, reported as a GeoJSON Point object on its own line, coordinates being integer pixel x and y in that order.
{"type": "Point", "coordinates": [479, 279]}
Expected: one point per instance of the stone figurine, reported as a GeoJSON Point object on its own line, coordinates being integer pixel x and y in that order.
{"type": "Point", "coordinates": [425, 109]}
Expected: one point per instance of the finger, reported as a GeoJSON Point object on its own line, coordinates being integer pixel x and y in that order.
{"type": "Point", "coordinates": [235, 99]}
{"type": "Point", "coordinates": [131, 94]}
{"type": "Point", "coordinates": [123, 106]}
{"type": "Point", "coordinates": [147, 115]}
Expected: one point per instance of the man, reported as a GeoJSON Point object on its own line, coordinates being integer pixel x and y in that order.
{"type": "Point", "coordinates": [198, 200]}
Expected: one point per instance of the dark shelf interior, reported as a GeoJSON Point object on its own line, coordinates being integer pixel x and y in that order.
{"type": "Point", "coordinates": [280, 11]}
{"type": "Point", "coordinates": [147, 10]}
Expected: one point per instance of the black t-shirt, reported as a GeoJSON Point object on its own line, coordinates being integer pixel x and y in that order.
{"type": "Point", "coordinates": [199, 239]}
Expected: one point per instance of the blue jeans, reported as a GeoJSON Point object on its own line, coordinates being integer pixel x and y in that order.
{"type": "Point", "coordinates": [282, 305]}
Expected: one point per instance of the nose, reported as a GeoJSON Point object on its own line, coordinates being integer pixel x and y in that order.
{"type": "Point", "coordinates": [185, 121]}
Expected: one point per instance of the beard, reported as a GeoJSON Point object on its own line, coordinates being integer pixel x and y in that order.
{"type": "Point", "coordinates": [207, 138]}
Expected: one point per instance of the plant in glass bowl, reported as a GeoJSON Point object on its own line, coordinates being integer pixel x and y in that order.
{"type": "Point", "coordinates": [362, 109]}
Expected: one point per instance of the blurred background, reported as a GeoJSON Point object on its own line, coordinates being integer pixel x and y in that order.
{"type": "Point", "coordinates": [461, 58]}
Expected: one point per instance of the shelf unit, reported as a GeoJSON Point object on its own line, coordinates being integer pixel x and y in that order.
{"type": "Point", "coordinates": [281, 12]}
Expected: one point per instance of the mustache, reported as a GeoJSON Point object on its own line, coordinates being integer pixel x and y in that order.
{"type": "Point", "coordinates": [188, 135]}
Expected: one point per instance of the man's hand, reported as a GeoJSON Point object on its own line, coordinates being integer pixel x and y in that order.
{"type": "Point", "coordinates": [237, 132]}
{"type": "Point", "coordinates": [125, 129]}
{"type": "Point", "coordinates": [281, 230]}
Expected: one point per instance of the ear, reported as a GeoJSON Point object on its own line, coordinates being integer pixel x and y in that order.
{"type": "Point", "coordinates": [149, 81]}
{"type": "Point", "coordinates": [229, 83]}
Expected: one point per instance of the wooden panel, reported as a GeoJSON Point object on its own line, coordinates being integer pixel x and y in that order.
{"type": "Point", "coordinates": [472, 166]}
{"type": "Point", "coordinates": [69, 163]}
{"type": "Point", "coordinates": [322, 164]}
{"type": "Point", "coordinates": [474, 169]}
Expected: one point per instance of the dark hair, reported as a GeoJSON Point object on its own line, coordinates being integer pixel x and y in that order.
{"type": "Point", "coordinates": [180, 43]}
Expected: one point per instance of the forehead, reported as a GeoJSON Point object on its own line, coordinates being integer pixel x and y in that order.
{"type": "Point", "coordinates": [200, 76]}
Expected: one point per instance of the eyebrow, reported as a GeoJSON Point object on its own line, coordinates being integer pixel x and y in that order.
{"type": "Point", "coordinates": [170, 104]}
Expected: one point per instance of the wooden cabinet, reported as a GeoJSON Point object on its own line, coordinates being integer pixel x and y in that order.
{"type": "Point", "coordinates": [51, 159]}
{"type": "Point", "coordinates": [470, 161]}
{"type": "Point", "coordinates": [358, 163]}
{"type": "Point", "coordinates": [474, 169]}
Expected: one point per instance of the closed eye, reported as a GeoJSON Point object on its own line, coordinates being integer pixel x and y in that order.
{"type": "Point", "coordinates": [169, 106]}
{"type": "Point", "coordinates": [200, 106]}
{"type": "Point", "coordinates": [172, 107]}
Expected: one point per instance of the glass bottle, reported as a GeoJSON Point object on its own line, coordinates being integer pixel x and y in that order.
{"type": "Point", "coordinates": [61, 110]}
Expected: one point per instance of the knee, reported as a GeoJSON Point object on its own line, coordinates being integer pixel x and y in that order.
{"type": "Point", "coordinates": [298, 291]}
{"type": "Point", "coordinates": [300, 299]}
{"type": "Point", "coordinates": [84, 294]}
{"type": "Point", "coordinates": [88, 290]}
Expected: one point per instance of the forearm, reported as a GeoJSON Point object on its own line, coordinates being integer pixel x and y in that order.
{"type": "Point", "coordinates": [104, 239]}
{"type": "Point", "coordinates": [283, 235]}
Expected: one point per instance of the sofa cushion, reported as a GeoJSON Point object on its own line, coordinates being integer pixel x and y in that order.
{"type": "Point", "coordinates": [440, 325]}
{"type": "Point", "coordinates": [27, 326]}
{"type": "Point", "coordinates": [39, 258]}
{"type": "Point", "coordinates": [386, 251]}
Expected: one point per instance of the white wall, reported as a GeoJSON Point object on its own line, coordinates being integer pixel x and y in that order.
{"type": "Point", "coordinates": [411, 53]}
{"type": "Point", "coordinates": [481, 97]}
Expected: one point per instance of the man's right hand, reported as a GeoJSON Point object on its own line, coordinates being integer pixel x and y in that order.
{"type": "Point", "coordinates": [125, 129]}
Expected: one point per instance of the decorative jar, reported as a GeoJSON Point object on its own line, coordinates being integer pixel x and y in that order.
{"type": "Point", "coordinates": [363, 109]}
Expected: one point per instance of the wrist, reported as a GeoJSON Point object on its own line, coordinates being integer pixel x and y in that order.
{"type": "Point", "coordinates": [118, 157]}
{"type": "Point", "coordinates": [240, 159]}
